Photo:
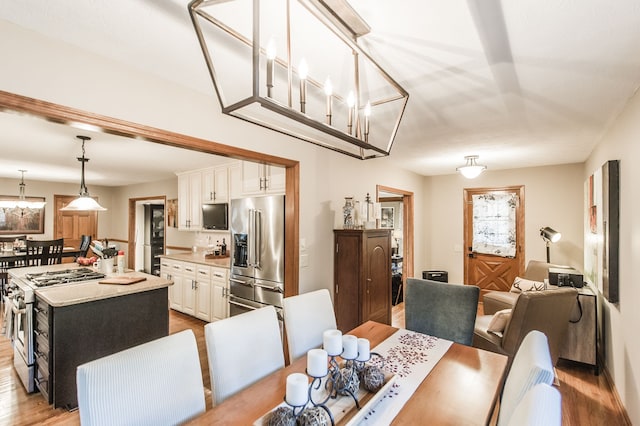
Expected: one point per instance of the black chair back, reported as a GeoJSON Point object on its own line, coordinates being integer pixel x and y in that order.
{"type": "Point", "coordinates": [85, 241]}
{"type": "Point", "coordinates": [47, 252]}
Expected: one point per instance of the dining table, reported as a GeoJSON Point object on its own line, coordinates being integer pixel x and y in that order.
{"type": "Point", "coordinates": [462, 387]}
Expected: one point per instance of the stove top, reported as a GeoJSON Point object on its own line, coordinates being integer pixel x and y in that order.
{"type": "Point", "coordinates": [65, 276]}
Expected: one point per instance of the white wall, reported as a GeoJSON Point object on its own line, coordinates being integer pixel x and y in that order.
{"type": "Point", "coordinates": [553, 197]}
{"type": "Point", "coordinates": [41, 68]}
{"type": "Point", "coordinates": [620, 321]}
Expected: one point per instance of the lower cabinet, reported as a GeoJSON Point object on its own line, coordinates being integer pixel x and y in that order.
{"type": "Point", "coordinates": [198, 290]}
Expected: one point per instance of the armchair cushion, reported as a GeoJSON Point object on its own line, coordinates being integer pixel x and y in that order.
{"type": "Point", "coordinates": [495, 301]}
{"type": "Point", "coordinates": [523, 284]}
{"type": "Point", "coordinates": [499, 321]}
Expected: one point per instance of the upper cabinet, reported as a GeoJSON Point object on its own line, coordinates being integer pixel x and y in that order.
{"type": "Point", "coordinates": [215, 184]}
{"type": "Point", "coordinates": [259, 179]}
{"type": "Point", "coordinates": [189, 200]}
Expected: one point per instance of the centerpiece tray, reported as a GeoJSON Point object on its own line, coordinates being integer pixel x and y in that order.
{"type": "Point", "coordinates": [343, 408]}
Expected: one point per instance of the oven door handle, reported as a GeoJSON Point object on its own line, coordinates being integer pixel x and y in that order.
{"type": "Point", "coordinates": [244, 283]}
{"type": "Point", "coordinates": [17, 311]}
{"type": "Point", "coordinates": [242, 305]}
{"type": "Point", "coordinates": [269, 287]}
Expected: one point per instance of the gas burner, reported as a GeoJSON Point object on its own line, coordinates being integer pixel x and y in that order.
{"type": "Point", "coordinates": [65, 276]}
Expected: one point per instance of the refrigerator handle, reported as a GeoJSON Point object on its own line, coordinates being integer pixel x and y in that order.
{"type": "Point", "coordinates": [251, 239]}
{"type": "Point", "coordinates": [258, 238]}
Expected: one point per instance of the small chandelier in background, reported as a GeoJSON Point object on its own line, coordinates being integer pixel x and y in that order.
{"type": "Point", "coordinates": [22, 206]}
{"type": "Point", "coordinates": [84, 202]}
{"type": "Point", "coordinates": [295, 66]}
{"type": "Point", "coordinates": [471, 169]}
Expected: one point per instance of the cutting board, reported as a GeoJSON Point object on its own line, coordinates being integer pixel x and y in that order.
{"type": "Point", "coordinates": [122, 280]}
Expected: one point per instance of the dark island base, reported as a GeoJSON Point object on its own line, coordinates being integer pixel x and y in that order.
{"type": "Point", "coordinates": [87, 331]}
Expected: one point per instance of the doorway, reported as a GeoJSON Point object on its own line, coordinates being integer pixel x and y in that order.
{"type": "Point", "coordinates": [493, 237]}
{"type": "Point", "coordinates": [402, 236]}
{"type": "Point", "coordinates": [147, 233]}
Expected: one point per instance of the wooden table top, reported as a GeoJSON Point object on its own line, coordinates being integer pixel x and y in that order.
{"type": "Point", "coordinates": [462, 388]}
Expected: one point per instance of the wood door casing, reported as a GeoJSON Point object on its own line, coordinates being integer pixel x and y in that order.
{"type": "Point", "coordinates": [72, 225]}
{"type": "Point", "coordinates": [492, 272]}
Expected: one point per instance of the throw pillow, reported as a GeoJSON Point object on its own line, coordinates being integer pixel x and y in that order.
{"type": "Point", "coordinates": [499, 321]}
{"type": "Point", "coordinates": [522, 284]}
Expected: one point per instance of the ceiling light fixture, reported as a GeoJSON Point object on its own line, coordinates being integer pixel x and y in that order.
{"type": "Point", "coordinates": [471, 169]}
{"type": "Point", "coordinates": [84, 202]}
{"type": "Point", "coordinates": [22, 203]}
{"type": "Point", "coordinates": [295, 66]}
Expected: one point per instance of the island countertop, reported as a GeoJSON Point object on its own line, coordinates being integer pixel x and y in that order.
{"type": "Point", "coordinates": [198, 257]}
{"type": "Point", "coordinates": [88, 291]}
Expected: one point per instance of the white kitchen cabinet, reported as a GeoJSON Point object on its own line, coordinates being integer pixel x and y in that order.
{"type": "Point", "coordinates": [172, 271]}
{"type": "Point", "coordinates": [190, 200]}
{"type": "Point", "coordinates": [235, 180]}
{"type": "Point", "coordinates": [166, 273]}
{"type": "Point", "coordinates": [215, 184]}
{"type": "Point", "coordinates": [219, 293]}
{"type": "Point", "coordinates": [260, 179]}
{"type": "Point", "coordinates": [189, 289]}
{"type": "Point", "coordinates": [202, 290]}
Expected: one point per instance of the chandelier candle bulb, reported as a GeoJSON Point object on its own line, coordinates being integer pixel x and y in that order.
{"type": "Point", "coordinates": [317, 363]}
{"type": "Point", "coordinates": [303, 70]}
{"type": "Point", "coordinates": [297, 389]}
{"type": "Point", "coordinates": [328, 90]}
{"type": "Point", "coordinates": [367, 113]}
{"type": "Point", "coordinates": [271, 56]}
{"type": "Point", "coordinates": [350, 345]}
{"type": "Point", "coordinates": [351, 101]}
{"type": "Point", "coordinates": [364, 350]}
{"type": "Point", "coordinates": [332, 342]}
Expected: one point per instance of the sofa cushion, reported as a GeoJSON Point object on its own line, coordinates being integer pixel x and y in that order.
{"type": "Point", "coordinates": [483, 339]}
{"type": "Point", "coordinates": [523, 284]}
{"type": "Point", "coordinates": [499, 321]}
{"type": "Point", "coordinates": [495, 301]}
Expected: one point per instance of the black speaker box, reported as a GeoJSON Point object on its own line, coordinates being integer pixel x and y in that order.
{"type": "Point", "coordinates": [566, 277]}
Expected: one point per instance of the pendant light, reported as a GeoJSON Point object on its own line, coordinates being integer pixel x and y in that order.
{"type": "Point", "coordinates": [471, 169]}
{"type": "Point", "coordinates": [22, 203]}
{"type": "Point", "coordinates": [84, 202]}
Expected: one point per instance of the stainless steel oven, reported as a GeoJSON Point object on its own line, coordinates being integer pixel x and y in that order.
{"type": "Point", "coordinates": [21, 301]}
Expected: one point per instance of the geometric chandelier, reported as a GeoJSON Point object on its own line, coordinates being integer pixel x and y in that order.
{"type": "Point", "coordinates": [295, 66]}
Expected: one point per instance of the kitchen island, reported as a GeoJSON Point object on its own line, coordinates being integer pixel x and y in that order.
{"type": "Point", "coordinates": [77, 322]}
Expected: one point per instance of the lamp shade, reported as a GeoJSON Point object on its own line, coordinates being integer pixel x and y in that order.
{"type": "Point", "coordinates": [83, 203]}
{"type": "Point", "coordinates": [471, 169]}
{"type": "Point", "coordinates": [550, 235]}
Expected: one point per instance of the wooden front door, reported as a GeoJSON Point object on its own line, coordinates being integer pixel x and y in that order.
{"type": "Point", "coordinates": [72, 225]}
{"type": "Point", "coordinates": [494, 237]}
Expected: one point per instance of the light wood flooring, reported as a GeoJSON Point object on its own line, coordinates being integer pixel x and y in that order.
{"type": "Point", "coordinates": [586, 399]}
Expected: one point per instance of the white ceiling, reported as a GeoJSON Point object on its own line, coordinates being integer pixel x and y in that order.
{"type": "Point", "coordinates": [520, 83]}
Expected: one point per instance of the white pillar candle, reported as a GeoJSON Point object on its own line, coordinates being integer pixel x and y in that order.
{"type": "Point", "coordinates": [297, 389]}
{"type": "Point", "coordinates": [317, 363]}
{"type": "Point", "coordinates": [332, 342]}
{"type": "Point", "coordinates": [363, 350]}
{"type": "Point", "coordinates": [350, 345]}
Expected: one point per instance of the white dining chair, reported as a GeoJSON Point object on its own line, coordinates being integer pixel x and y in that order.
{"type": "Point", "coordinates": [540, 406]}
{"type": "Point", "coordinates": [242, 349]}
{"type": "Point", "coordinates": [531, 365]}
{"type": "Point", "coordinates": [156, 383]}
{"type": "Point", "coordinates": [306, 317]}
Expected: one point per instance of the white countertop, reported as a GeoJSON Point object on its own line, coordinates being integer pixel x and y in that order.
{"type": "Point", "coordinates": [198, 257]}
{"type": "Point", "coordinates": [89, 291]}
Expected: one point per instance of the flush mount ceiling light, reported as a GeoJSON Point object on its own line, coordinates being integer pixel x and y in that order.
{"type": "Point", "coordinates": [84, 202]}
{"type": "Point", "coordinates": [295, 66]}
{"type": "Point", "coordinates": [471, 169]}
{"type": "Point", "coordinates": [22, 204]}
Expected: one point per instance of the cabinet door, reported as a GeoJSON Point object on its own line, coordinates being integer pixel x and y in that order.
{"type": "Point", "coordinates": [208, 185]}
{"type": "Point", "coordinates": [189, 290]}
{"type": "Point", "coordinates": [347, 279]}
{"type": "Point", "coordinates": [219, 287]}
{"type": "Point", "coordinates": [175, 291]}
{"type": "Point", "coordinates": [377, 271]}
{"type": "Point", "coordinates": [165, 273]}
{"type": "Point", "coordinates": [235, 180]}
{"type": "Point", "coordinates": [252, 178]}
{"type": "Point", "coordinates": [195, 203]}
{"type": "Point", "coordinates": [221, 184]}
{"type": "Point", "coordinates": [184, 201]}
{"type": "Point", "coordinates": [275, 179]}
{"type": "Point", "coordinates": [203, 299]}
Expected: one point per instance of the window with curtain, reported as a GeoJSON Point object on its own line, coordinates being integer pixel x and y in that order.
{"type": "Point", "coordinates": [494, 224]}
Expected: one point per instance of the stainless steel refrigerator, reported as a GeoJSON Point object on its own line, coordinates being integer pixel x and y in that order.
{"type": "Point", "coordinates": [257, 253]}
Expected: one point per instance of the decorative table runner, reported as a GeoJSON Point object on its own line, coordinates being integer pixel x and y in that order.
{"type": "Point", "coordinates": [407, 355]}
{"type": "Point", "coordinates": [410, 356]}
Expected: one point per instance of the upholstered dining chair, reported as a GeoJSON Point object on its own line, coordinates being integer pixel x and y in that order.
{"type": "Point", "coordinates": [547, 311]}
{"type": "Point", "coordinates": [541, 406]}
{"type": "Point", "coordinates": [242, 349]}
{"type": "Point", "coordinates": [44, 252]}
{"type": "Point", "coordinates": [441, 309]}
{"type": "Point", "coordinates": [156, 383]}
{"type": "Point", "coordinates": [531, 365]}
{"type": "Point", "coordinates": [306, 317]}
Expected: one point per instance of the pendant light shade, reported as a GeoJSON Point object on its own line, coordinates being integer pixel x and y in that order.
{"type": "Point", "coordinates": [471, 169]}
{"type": "Point", "coordinates": [84, 202]}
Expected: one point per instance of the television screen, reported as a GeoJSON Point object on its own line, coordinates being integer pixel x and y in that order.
{"type": "Point", "coordinates": [215, 216]}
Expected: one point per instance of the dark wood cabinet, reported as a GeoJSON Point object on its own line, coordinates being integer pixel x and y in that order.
{"type": "Point", "coordinates": [362, 276]}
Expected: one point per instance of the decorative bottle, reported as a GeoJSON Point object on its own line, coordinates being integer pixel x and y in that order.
{"type": "Point", "coordinates": [347, 212]}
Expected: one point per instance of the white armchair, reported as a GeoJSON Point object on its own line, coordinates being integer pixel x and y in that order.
{"type": "Point", "coordinates": [156, 383]}
{"type": "Point", "coordinates": [541, 406]}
